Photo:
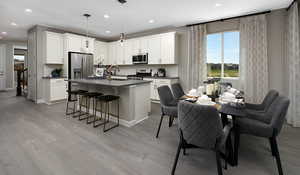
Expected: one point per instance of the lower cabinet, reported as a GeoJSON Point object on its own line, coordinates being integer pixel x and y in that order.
{"type": "Point", "coordinates": [156, 82]}
{"type": "Point", "coordinates": [55, 89]}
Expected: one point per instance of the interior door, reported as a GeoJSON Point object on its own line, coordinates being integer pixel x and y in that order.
{"type": "Point", "coordinates": [32, 93]}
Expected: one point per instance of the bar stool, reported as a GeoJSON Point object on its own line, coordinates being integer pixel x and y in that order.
{"type": "Point", "coordinates": [72, 98]}
{"type": "Point", "coordinates": [86, 103]}
{"type": "Point", "coordinates": [106, 100]}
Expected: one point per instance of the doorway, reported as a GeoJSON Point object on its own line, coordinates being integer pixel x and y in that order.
{"type": "Point", "coordinates": [20, 70]}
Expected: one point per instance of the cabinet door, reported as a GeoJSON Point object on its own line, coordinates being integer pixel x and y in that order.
{"type": "Point", "coordinates": [153, 89]}
{"type": "Point", "coordinates": [120, 54]}
{"type": "Point", "coordinates": [75, 43]}
{"type": "Point", "coordinates": [135, 46]}
{"type": "Point", "coordinates": [168, 48]}
{"type": "Point", "coordinates": [112, 53]}
{"type": "Point", "coordinates": [54, 48]}
{"type": "Point", "coordinates": [57, 89]}
{"type": "Point", "coordinates": [2, 60]}
{"type": "Point", "coordinates": [144, 45]}
{"type": "Point", "coordinates": [128, 52]}
{"type": "Point", "coordinates": [154, 52]}
{"type": "Point", "coordinates": [100, 53]}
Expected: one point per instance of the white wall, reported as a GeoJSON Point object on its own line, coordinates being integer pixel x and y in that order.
{"type": "Point", "coordinates": [10, 45]}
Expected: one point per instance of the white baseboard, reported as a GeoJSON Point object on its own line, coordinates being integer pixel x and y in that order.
{"type": "Point", "coordinates": [121, 121]}
{"type": "Point", "coordinates": [40, 101]}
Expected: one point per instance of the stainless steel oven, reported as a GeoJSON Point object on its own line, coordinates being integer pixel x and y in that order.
{"type": "Point", "coordinates": [140, 59]}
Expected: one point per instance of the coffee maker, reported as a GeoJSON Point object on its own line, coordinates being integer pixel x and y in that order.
{"type": "Point", "coordinates": [161, 72]}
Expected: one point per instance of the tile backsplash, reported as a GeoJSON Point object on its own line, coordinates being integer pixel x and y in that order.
{"type": "Point", "coordinates": [171, 70]}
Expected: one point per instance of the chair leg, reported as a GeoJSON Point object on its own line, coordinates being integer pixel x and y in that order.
{"type": "Point", "coordinates": [272, 147]}
{"type": "Point", "coordinates": [236, 146]}
{"type": "Point", "coordinates": [219, 164]}
{"type": "Point", "coordinates": [277, 156]}
{"type": "Point", "coordinates": [171, 120]}
{"type": "Point", "coordinates": [161, 118]}
{"type": "Point", "coordinates": [177, 156]}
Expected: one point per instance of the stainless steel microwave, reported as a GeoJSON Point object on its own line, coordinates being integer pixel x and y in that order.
{"type": "Point", "coordinates": [140, 59]}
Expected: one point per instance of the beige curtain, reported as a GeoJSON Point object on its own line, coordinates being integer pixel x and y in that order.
{"type": "Point", "coordinates": [293, 60]}
{"type": "Point", "coordinates": [253, 58]}
{"type": "Point", "coordinates": [193, 69]}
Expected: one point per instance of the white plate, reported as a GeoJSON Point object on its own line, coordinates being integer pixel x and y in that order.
{"type": "Point", "coordinates": [208, 103]}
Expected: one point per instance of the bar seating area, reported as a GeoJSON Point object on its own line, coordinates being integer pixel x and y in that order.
{"type": "Point", "coordinates": [103, 104]}
{"type": "Point", "coordinates": [218, 126]}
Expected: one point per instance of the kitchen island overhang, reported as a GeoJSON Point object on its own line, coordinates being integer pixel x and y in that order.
{"type": "Point", "coordinates": [135, 103]}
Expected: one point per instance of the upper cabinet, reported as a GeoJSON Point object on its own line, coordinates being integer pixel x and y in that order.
{"type": "Point", "coordinates": [101, 53]}
{"type": "Point", "coordinates": [168, 48]}
{"type": "Point", "coordinates": [154, 50]}
{"type": "Point", "coordinates": [53, 51]}
{"type": "Point", "coordinates": [77, 43]}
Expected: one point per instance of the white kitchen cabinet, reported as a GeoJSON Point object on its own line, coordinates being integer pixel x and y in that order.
{"type": "Point", "coordinates": [53, 48]}
{"type": "Point", "coordinates": [101, 53]}
{"type": "Point", "coordinates": [128, 52]}
{"type": "Point", "coordinates": [135, 46]}
{"type": "Point", "coordinates": [144, 45]}
{"type": "Point", "coordinates": [120, 53]}
{"type": "Point", "coordinates": [157, 82]}
{"type": "Point", "coordinates": [55, 89]}
{"type": "Point", "coordinates": [168, 48]}
{"type": "Point", "coordinates": [154, 50]}
{"type": "Point", "coordinates": [112, 49]}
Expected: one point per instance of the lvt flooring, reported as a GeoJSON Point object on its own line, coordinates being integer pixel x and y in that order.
{"type": "Point", "coordinates": [38, 139]}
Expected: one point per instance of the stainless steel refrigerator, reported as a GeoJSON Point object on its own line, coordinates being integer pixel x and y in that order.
{"type": "Point", "coordinates": [80, 65]}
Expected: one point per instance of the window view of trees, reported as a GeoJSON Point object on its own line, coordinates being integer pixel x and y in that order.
{"type": "Point", "coordinates": [223, 54]}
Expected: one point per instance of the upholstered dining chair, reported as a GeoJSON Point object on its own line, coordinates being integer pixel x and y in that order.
{"type": "Point", "coordinates": [177, 90]}
{"type": "Point", "coordinates": [269, 127]}
{"type": "Point", "coordinates": [200, 127]}
{"type": "Point", "coordinates": [168, 106]}
{"type": "Point", "coordinates": [269, 98]}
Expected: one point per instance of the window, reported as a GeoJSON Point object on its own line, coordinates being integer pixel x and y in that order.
{"type": "Point", "coordinates": [223, 54]}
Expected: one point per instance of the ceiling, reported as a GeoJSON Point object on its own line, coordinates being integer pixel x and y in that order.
{"type": "Point", "coordinates": [131, 17]}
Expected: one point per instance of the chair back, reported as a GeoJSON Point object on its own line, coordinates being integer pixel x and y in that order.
{"type": "Point", "coordinates": [165, 95]}
{"type": "Point", "coordinates": [177, 90]}
{"type": "Point", "coordinates": [269, 98]}
{"type": "Point", "coordinates": [200, 125]}
{"type": "Point", "coordinates": [278, 111]}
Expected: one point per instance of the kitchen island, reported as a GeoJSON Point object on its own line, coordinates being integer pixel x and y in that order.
{"type": "Point", "coordinates": [134, 95]}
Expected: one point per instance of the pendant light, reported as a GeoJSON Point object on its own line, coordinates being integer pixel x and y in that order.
{"type": "Point", "coordinates": [122, 39]}
{"type": "Point", "coordinates": [87, 32]}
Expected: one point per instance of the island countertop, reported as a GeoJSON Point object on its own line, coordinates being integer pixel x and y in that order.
{"type": "Point", "coordinates": [112, 83]}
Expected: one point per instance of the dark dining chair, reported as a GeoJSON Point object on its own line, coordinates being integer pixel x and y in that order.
{"type": "Point", "coordinates": [168, 106]}
{"type": "Point", "coordinates": [269, 128]}
{"type": "Point", "coordinates": [200, 127]}
{"type": "Point", "coordinates": [177, 90]}
{"type": "Point", "coordinates": [269, 98]}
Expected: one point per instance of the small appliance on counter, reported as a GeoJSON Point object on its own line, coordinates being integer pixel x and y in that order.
{"type": "Point", "coordinates": [161, 72]}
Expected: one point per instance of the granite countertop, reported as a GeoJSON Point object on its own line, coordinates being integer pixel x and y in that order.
{"type": "Point", "coordinates": [112, 83]}
{"type": "Point", "coordinates": [48, 77]}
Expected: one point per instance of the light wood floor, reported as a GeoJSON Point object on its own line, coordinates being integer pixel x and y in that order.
{"type": "Point", "coordinates": [41, 140]}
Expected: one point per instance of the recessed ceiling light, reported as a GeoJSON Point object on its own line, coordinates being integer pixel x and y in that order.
{"type": "Point", "coordinates": [107, 31]}
{"type": "Point", "coordinates": [28, 10]}
{"type": "Point", "coordinates": [218, 4]}
{"type": "Point", "coordinates": [13, 24]}
{"type": "Point", "coordinates": [151, 21]}
{"type": "Point", "coordinates": [106, 16]}
{"type": "Point", "coordinates": [3, 33]}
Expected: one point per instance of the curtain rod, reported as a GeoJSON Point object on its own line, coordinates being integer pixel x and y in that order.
{"type": "Point", "coordinates": [290, 5]}
{"type": "Point", "coordinates": [218, 20]}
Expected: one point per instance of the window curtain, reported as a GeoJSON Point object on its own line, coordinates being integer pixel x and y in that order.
{"type": "Point", "coordinates": [293, 63]}
{"type": "Point", "coordinates": [253, 58]}
{"type": "Point", "coordinates": [193, 69]}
